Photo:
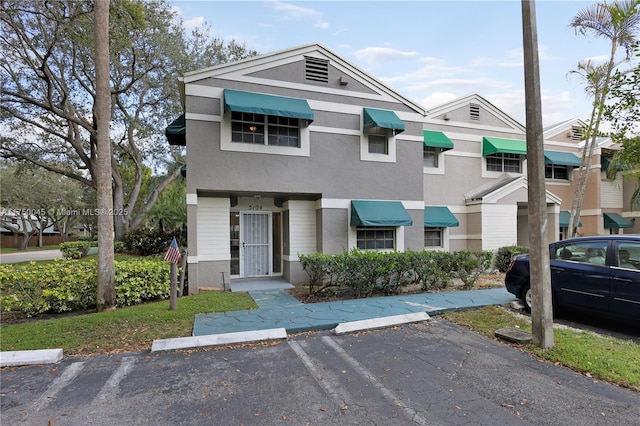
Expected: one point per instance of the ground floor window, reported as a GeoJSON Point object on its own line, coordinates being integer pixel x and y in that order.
{"type": "Point", "coordinates": [433, 237]}
{"type": "Point", "coordinates": [563, 232]}
{"type": "Point", "coordinates": [375, 238]}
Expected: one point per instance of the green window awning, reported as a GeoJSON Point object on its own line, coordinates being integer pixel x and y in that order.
{"type": "Point", "coordinates": [381, 118]}
{"type": "Point", "coordinates": [437, 139]}
{"type": "Point", "coordinates": [439, 217]}
{"type": "Point", "coordinates": [561, 158]}
{"type": "Point", "coordinates": [379, 213]}
{"type": "Point", "coordinates": [565, 215]}
{"type": "Point", "coordinates": [257, 103]}
{"type": "Point", "coordinates": [504, 146]}
{"type": "Point", "coordinates": [614, 220]}
{"type": "Point", "coordinates": [176, 132]}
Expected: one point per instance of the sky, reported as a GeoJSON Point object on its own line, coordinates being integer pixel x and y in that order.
{"type": "Point", "coordinates": [428, 51]}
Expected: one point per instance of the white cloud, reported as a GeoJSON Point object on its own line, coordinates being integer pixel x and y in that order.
{"type": "Point", "coordinates": [437, 98]}
{"type": "Point", "coordinates": [375, 55]}
{"type": "Point", "coordinates": [293, 11]}
{"type": "Point", "coordinates": [194, 22]}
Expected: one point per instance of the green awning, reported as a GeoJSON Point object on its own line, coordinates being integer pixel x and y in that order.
{"type": "Point", "coordinates": [382, 118]}
{"type": "Point", "coordinates": [439, 217]}
{"type": "Point", "coordinates": [436, 139]}
{"type": "Point", "coordinates": [614, 220]}
{"type": "Point", "coordinates": [257, 103]}
{"type": "Point", "coordinates": [565, 215]}
{"type": "Point", "coordinates": [561, 158]}
{"type": "Point", "coordinates": [379, 213]}
{"type": "Point", "coordinates": [505, 146]}
{"type": "Point", "coordinates": [176, 132]}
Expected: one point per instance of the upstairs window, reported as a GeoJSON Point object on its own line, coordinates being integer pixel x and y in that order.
{"type": "Point", "coordinates": [552, 171]}
{"type": "Point", "coordinates": [430, 156]}
{"type": "Point", "coordinates": [379, 142]}
{"type": "Point", "coordinates": [504, 163]}
{"type": "Point", "coordinates": [264, 129]}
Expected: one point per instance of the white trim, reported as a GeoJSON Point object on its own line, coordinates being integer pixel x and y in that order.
{"type": "Point", "coordinates": [192, 199]}
{"type": "Point", "coordinates": [202, 117]}
{"type": "Point", "coordinates": [192, 259]}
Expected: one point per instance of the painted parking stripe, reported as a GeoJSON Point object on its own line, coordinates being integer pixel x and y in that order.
{"type": "Point", "coordinates": [327, 381]}
{"type": "Point", "coordinates": [388, 394]}
{"type": "Point", "coordinates": [59, 383]}
{"type": "Point", "coordinates": [111, 387]}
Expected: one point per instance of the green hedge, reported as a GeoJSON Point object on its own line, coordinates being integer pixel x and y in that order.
{"type": "Point", "coordinates": [504, 255]}
{"type": "Point", "coordinates": [75, 249]}
{"type": "Point", "coordinates": [69, 285]}
{"type": "Point", "coordinates": [362, 273]}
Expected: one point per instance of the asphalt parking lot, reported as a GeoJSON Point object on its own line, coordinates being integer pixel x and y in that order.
{"type": "Point", "coordinates": [428, 373]}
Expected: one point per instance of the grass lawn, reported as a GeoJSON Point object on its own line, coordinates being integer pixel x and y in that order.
{"type": "Point", "coordinates": [128, 329]}
{"type": "Point", "coordinates": [600, 357]}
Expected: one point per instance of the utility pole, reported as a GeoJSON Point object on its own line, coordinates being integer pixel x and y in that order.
{"type": "Point", "coordinates": [540, 279]}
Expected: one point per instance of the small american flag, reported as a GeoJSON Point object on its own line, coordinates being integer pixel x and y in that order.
{"type": "Point", "coordinates": [173, 253]}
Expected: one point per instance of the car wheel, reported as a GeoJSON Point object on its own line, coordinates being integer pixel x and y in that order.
{"type": "Point", "coordinates": [526, 298]}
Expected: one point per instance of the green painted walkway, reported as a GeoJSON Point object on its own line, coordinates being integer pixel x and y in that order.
{"type": "Point", "coordinates": [278, 309]}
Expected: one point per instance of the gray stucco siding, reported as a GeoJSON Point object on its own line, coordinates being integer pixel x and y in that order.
{"type": "Point", "coordinates": [203, 105]}
{"type": "Point", "coordinates": [333, 169]}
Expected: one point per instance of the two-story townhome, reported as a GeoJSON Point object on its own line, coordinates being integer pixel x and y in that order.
{"type": "Point", "coordinates": [298, 151]}
{"type": "Point", "coordinates": [606, 207]}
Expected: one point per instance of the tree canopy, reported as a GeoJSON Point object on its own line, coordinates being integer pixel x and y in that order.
{"type": "Point", "coordinates": [47, 115]}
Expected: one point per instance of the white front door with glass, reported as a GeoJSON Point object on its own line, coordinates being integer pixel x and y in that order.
{"type": "Point", "coordinates": [255, 244]}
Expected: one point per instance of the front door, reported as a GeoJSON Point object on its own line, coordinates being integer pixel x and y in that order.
{"type": "Point", "coordinates": [255, 244]}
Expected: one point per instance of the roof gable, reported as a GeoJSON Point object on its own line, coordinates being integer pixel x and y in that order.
{"type": "Point", "coordinates": [287, 68]}
{"type": "Point", "coordinates": [460, 111]}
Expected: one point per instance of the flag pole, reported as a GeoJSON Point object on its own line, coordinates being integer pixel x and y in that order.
{"type": "Point", "coordinates": [173, 298]}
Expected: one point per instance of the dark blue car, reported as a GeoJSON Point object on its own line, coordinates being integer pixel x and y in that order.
{"type": "Point", "coordinates": [595, 274]}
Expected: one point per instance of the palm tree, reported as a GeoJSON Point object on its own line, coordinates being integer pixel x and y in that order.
{"type": "Point", "coordinates": [618, 22]}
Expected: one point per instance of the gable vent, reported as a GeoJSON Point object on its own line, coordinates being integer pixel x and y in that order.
{"type": "Point", "coordinates": [316, 69]}
{"type": "Point", "coordinates": [576, 134]}
{"type": "Point", "coordinates": [474, 112]}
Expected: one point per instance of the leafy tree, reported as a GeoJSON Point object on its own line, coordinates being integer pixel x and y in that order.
{"type": "Point", "coordinates": [169, 212]}
{"type": "Point", "coordinates": [44, 198]}
{"type": "Point", "coordinates": [623, 112]}
{"type": "Point", "coordinates": [48, 92]}
{"type": "Point", "coordinates": [617, 22]}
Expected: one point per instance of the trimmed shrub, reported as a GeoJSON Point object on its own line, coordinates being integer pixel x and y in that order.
{"type": "Point", "coordinates": [470, 264]}
{"type": "Point", "coordinates": [75, 249]}
{"type": "Point", "coordinates": [504, 255]}
{"type": "Point", "coordinates": [149, 241]}
{"type": "Point", "coordinates": [68, 285]}
{"type": "Point", "coordinates": [362, 273]}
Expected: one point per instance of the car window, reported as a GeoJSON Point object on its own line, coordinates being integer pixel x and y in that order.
{"type": "Point", "coordinates": [591, 252]}
{"type": "Point", "coordinates": [628, 255]}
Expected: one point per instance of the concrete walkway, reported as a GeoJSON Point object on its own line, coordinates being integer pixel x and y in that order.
{"type": "Point", "coordinates": [278, 309]}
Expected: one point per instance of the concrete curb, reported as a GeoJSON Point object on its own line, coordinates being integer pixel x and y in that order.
{"type": "Point", "coordinates": [218, 339]}
{"type": "Point", "coordinates": [41, 356]}
{"type": "Point", "coordinates": [349, 327]}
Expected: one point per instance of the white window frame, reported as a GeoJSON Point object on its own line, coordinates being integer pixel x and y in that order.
{"type": "Point", "coordinates": [492, 174]}
{"type": "Point", "coordinates": [390, 157]}
{"type": "Point", "coordinates": [226, 145]}
{"type": "Point", "coordinates": [378, 228]}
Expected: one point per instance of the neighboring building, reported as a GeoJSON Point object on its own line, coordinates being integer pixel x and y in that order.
{"type": "Point", "coordinates": [298, 151]}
